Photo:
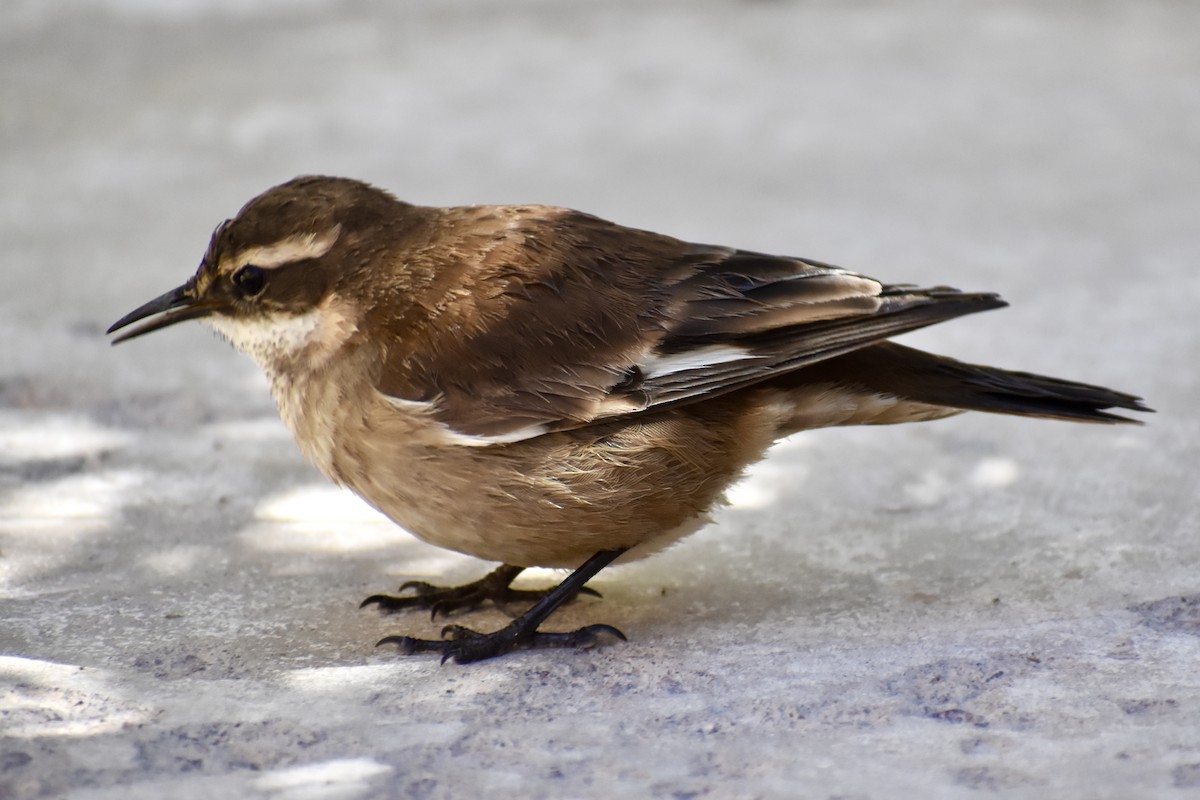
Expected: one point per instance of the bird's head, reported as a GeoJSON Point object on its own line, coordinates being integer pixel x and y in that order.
{"type": "Point", "coordinates": [287, 272]}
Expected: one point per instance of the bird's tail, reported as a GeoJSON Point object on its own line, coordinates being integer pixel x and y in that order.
{"type": "Point", "coordinates": [891, 369]}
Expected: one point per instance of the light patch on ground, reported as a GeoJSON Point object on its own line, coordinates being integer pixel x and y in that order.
{"type": "Point", "coordinates": [341, 679]}
{"type": "Point", "coordinates": [765, 481]}
{"type": "Point", "coordinates": [98, 494]}
{"type": "Point", "coordinates": [316, 503]}
{"type": "Point", "coordinates": [542, 577]}
{"type": "Point", "coordinates": [329, 537]}
{"type": "Point", "coordinates": [37, 705]}
{"type": "Point", "coordinates": [25, 437]}
{"type": "Point", "coordinates": [318, 518]}
{"type": "Point", "coordinates": [339, 778]}
{"type": "Point", "coordinates": [995, 473]}
{"type": "Point", "coordinates": [750, 494]}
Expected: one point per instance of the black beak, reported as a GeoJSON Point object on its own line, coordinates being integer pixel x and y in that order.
{"type": "Point", "coordinates": [176, 305]}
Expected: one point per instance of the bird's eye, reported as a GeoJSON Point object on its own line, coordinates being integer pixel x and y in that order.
{"type": "Point", "coordinates": [249, 280]}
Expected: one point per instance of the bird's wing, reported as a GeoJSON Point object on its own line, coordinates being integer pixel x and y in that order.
{"type": "Point", "coordinates": [575, 320]}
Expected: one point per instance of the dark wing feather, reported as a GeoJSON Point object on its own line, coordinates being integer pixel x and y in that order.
{"type": "Point", "coordinates": [781, 350]}
{"type": "Point", "coordinates": [561, 319]}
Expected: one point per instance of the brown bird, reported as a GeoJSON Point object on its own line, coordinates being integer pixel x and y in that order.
{"type": "Point", "coordinates": [540, 387]}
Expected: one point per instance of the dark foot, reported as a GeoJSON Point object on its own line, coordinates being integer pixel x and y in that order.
{"type": "Point", "coordinates": [447, 600]}
{"type": "Point", "coordinates": [465, 645]}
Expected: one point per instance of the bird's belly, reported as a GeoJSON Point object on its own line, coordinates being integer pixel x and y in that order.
{"type": "Point", "coordinates": [539, 504]}
{"type": "Point", "coordinates": [557, 499]}
{"type": "Point", "coordinates": [552, 500]}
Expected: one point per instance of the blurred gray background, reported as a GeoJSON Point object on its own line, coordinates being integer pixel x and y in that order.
{"type": "Point", "coordinates": [981, 605]}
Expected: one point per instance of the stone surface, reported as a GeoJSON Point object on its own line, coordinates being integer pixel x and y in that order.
{"type": "Point", "coordinates": [976, 607]}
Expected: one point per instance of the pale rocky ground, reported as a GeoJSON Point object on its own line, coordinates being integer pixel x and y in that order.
{"type": "Point", "coordinates": [980, 607]}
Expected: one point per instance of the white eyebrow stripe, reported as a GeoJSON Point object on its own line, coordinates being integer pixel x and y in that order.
{"type": "Point", "coordinates": [290, 250]}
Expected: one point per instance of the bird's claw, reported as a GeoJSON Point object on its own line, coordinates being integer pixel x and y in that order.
{"type": "Point", "coordinates": [464, 645]}
{"type": "Point", "coordinates": [446, 601]}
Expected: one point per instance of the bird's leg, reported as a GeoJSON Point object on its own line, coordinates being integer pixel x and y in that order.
{"type": "Point", "coordinates": [465, 645]}
{"type": "Point", "coordinates": [447, 600]}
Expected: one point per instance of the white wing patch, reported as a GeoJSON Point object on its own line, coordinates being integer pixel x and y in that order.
{"type": "Point", "coordinates": [655, 366]}
{"type": "Point", "coordinates": [444, 434]}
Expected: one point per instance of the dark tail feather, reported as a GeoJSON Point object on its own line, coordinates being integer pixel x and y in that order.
{"type": "Point", "coordinates": [893, 369]}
